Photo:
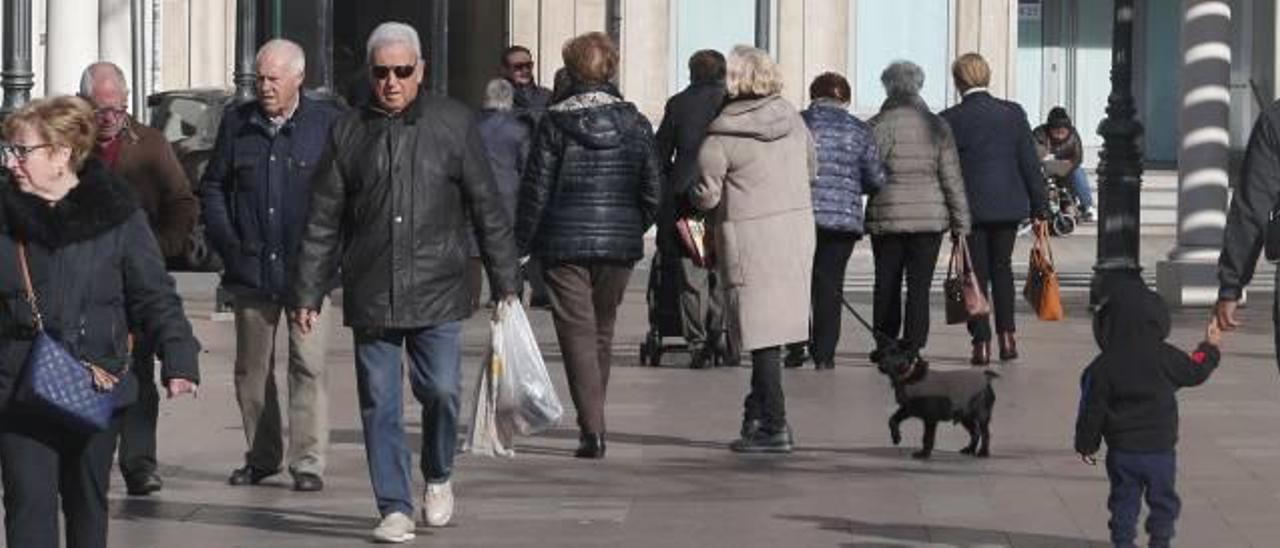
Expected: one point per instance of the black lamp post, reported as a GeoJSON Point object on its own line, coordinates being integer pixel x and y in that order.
{"type": "Point", "coordinates": [246, 48]}
{"type": "Point", "coordinates": [1120, 165]}
{"type": "Point", "coordinates": [17, 76]}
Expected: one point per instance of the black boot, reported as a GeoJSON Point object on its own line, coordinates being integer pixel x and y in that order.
{"type": "Point", "coordinates": [764, 441]}
{"type": "Point", "coordinates": [795, 356]}
{"type": "Point", "coordinates": [590, 446]}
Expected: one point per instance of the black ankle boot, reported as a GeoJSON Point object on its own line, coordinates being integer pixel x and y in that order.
{"type": "Point", "coordinates": [590, 446]}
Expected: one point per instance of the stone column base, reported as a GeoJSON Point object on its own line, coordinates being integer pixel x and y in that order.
{"type": "Point", "coordinates": [1187, 283]}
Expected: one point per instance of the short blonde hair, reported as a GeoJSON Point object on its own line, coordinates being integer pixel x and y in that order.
{"type": "Point", "coordinates": [971, 71]}
{"type": "Point", "coordinates": [62, 121]}
{"type": "Point", "coordinates": [752, 73]}
{"type": "Point", "coordinates": [591, 58]}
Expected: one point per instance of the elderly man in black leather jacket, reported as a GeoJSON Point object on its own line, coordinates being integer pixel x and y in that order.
{"type": "Point", "coordinates": [391, 202]}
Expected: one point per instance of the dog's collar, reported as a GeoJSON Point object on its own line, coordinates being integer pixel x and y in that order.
{"type": "Point", "coordinates": [915, 366]}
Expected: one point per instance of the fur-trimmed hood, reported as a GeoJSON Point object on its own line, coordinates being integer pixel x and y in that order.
{"type": "Point", "coordinates": [100, 202]}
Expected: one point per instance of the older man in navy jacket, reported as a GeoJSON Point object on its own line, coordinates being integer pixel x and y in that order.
{"type": "Point", "coordinates": [256, 190]}
{"type": "Point", "coordinates": [1004, 185]}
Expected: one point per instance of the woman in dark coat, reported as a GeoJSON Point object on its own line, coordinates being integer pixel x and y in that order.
{"type": "Point", "coordinates": [591, 189]}
{"type": "Point", "coordinates": [1004, 186]}
{"type": "Point", "coordinates": [849, 167]}
{"type": "Point", "coordinates": [96, 270]}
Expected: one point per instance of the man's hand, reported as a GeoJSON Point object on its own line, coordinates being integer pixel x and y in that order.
{"type": "Point", "coordinates": [306, 319]}
{"type": "Point", "coordinates": [178, 387]}
{"type": "Point", "coordinates": [1088, 459]}
{"type": "Point", "coordinates": [507, 300]}
{"type": "Point", "coordinates": [1213, 333]}
{"type": "Point", "coordinates": [1224, 314]}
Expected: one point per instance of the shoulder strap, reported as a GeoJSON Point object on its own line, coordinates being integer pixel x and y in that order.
{"type": "Point", "coordinates": [29, 289]}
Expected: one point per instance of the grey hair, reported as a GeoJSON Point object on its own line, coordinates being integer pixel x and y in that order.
{"type": "Point", "coordinates": [290, 50]}
{"type": "Point", "coordinates": [902, 78]}
{"type": "Point", "coordinates": [93, 72]}
{"type": "Point", "coordinates": [499, 94]}
{"type": "Point", "coordinates": [391, 33]}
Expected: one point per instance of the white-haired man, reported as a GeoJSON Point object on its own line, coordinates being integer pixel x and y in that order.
{"type": "Point", "coordinates": [142, 156]}
{"type": "Point", "coordinates": [255, 193]}
{"type": "Point", "coordinates": [403, 183]}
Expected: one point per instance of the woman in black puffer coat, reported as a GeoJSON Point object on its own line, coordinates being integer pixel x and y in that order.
{"type": "Point", "coordinates": [591, 189]}
{"type": "Point", "coordinates": [96, 270]}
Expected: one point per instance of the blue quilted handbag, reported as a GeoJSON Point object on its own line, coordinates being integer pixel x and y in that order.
{"type": "Point", "coordinates": [56, 384]}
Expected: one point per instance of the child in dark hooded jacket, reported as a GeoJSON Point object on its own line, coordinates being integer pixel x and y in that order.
{"type": "Point", "coordinates": [1128, 399]}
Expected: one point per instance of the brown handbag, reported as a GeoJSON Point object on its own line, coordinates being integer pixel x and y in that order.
{"type": "Point", "coordinates": [1041, 289]}
{"type": "Point", "coordinates": [965, 298]}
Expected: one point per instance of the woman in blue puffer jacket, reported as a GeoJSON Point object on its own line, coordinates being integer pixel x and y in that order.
{"type": "Point", "coordinates": [849, 167]}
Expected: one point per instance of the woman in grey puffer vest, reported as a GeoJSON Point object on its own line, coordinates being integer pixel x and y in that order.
{"type": "Point", "coordinates": [849, 166]}
{"type": "Point", "coordinates": [923, 197]}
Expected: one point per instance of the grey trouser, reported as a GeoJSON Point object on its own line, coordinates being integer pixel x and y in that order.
{"type": "Point", "coordinates": [256, 325]}
{"type": "Point", "coordinates": [701, 305]}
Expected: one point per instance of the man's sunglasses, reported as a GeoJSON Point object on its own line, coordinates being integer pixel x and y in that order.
{"type": "Point", "coordinates": [381, 72]}
{"type": "Point", "coordinates": [527, 65]}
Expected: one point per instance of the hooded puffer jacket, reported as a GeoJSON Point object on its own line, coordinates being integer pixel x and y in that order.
{"type": "Point", "coordinates": [1127, 393]}
{"type": "Point", "coordinates": [592, 183]}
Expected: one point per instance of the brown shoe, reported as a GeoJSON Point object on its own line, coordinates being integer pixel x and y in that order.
{"type": "Point", "coordinates": [1008, 347]}
{"type": "Point", "coordinates": [981, 353]}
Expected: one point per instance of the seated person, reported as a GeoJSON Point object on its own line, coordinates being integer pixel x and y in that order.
{"type": "Point", "coordinates": [1058, 144]}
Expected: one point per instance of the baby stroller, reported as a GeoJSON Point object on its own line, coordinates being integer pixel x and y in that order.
{"type": "Point", "coordinates": [663, 300]}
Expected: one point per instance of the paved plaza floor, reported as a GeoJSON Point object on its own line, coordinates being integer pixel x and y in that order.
{"type": "Point", "coordinates": [669, 479]}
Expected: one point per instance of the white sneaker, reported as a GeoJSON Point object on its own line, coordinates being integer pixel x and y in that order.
{"type": "Point", "coordinates": [394, 529]}
{"type": "Point", "coordinates": [437, 504]}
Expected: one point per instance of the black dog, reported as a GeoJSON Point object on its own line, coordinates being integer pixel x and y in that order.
{"type": "Point", "coordinates": [963, 396]}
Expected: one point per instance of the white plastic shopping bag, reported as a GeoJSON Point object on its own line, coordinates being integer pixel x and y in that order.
{"type": "Point", "coordinates": [514, 394]}
{"type": "Point", "coordinates": [487, 437]}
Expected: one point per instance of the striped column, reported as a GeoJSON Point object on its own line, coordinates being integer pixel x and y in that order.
{"type": "Point", "coordinates": [1189, 276]}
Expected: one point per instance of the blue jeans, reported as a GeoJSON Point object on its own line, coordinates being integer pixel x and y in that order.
{"type": "Point", "coordinates": [1080, 185]}
{"type": "Point", "coordinates": [435, 359]}
{"type": "Point", "coordinates": [1134, 475]}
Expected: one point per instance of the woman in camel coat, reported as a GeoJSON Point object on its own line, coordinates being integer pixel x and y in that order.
{"type": "Point", "coordinates": [755, 165]}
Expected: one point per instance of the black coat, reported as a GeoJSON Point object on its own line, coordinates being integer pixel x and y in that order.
{"type": "Point", "coordinates": [394, 199]}
{"type": "Point", "coordinates": [1002, 177]}
{"type": "Point", "coordinates": [592, 184]}
{"type": "Point", "coordinates": [683, 128]}
{"type": "Point", "coordinates": [98, 274]}
{"type": "Point", "coordinates": [1128, 392]}
{"type": "Point", "coordinates": [255, 193]}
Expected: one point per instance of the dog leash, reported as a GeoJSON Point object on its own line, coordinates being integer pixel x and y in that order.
{"type": "Point", "coordinates": [884, 340]}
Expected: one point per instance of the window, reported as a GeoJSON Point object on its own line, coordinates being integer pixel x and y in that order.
{"type": "Point", "coordinates": [708, 24]}
{"type": "Point", "coordinates": [911, 30]}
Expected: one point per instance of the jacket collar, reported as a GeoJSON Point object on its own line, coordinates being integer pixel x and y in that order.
{"type": "Point", "coordinates": [905, 101]}
{"type": "Point", "coordinates": [259, 119]}
{"type": "Point", "coordinates": [100, 202]}
{"type": "Point", "coordinates": [827, 103]}
{"type": "Point", "coordinates": [410, 115]}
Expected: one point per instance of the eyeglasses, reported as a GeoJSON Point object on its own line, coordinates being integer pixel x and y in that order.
{"type": "Point", "coordinates": [381, 72]}
{"type": "Point", "coordinates": [20, 153]}
{"type": "Point", "coordinates": [110, 112]}
{"type": "Point", "coordinates": [527, 65]}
